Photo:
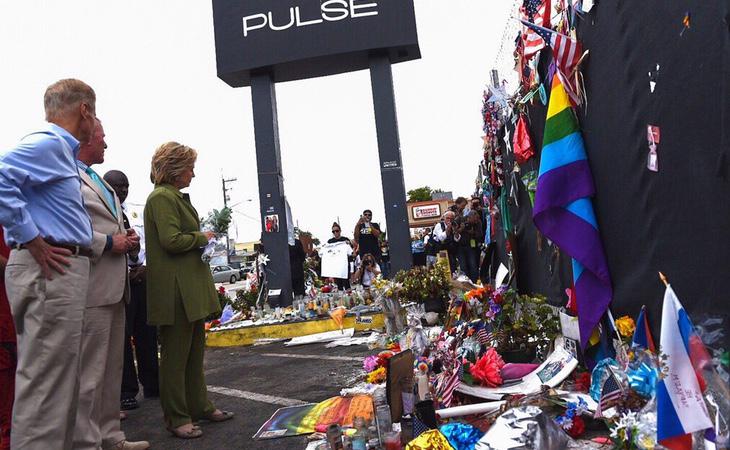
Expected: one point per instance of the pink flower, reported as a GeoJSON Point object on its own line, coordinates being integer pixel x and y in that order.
{"type": "Point", "coordinates": [487, 369]}
{"type": "Point", "coordinates": [370, 363]}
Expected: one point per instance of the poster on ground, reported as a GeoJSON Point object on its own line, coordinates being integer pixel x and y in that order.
{"type": "Point", "coordinates": [306, 419]}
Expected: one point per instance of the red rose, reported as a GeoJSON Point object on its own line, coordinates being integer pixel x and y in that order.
{"type": "Point", "coordinates": [498, 299]}
{"type": "Point", "coordinates": [578, 428]}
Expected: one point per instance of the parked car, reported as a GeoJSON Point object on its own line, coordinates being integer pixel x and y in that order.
{"type": "Point", "coordinates": [244, 271]}
{"type": "Point", "coordinates": [221, 274]}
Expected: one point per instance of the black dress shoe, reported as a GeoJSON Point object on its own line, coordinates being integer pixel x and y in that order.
{"type": "Point", "coordinates": [129, 403]}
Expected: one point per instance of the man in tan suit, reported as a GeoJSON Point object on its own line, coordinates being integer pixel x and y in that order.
{"type": "Point", "coordinates": [102, 347]}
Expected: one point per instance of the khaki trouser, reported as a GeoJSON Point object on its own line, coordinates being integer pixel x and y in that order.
{"type": "Point", "coordinates": [102, 357]}
{"type": "Point", "coordinates": [48, 317]}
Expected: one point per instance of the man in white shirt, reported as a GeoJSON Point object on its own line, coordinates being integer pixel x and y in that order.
{"type": "Point", "coordinates": [444, 235]}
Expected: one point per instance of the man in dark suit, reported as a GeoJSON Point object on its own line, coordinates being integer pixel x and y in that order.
{"type": "Point", "coordinates": [145, 336]}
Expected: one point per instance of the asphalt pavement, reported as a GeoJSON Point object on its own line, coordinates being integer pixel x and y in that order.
{"type": "Point", "coordinates": [253, 382]}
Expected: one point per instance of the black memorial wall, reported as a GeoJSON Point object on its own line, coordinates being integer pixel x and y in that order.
{"type": "Point", "coordinates": [676, 220]}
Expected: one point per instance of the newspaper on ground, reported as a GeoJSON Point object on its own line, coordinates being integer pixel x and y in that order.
{"type": "Point", "coordinates": [327, 336]}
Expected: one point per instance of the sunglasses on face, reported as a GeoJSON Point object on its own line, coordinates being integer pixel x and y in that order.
{"type": "Point", "coordinates": [335, 231]}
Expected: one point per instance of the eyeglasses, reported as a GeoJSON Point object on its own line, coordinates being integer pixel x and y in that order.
{"type": "Point", "coordinates": [368, 215]}
{"type": "Point", "coordinates": [335, 231]}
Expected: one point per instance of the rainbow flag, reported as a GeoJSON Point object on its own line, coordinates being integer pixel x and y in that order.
{"type": "Point", "coordinates": [306, 419]}
{"type": "Point", "coordinates": [563, 209]}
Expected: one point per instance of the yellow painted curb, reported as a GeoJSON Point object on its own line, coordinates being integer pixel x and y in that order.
{"type": "Point", "coordinates": [247, 335]}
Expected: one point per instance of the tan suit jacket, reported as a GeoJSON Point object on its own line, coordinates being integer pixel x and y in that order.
{"type": "Point", "coordinates": [108, 281]}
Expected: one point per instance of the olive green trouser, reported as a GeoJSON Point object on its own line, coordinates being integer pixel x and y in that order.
{"type": "Point", "coordinates": [183, 393]}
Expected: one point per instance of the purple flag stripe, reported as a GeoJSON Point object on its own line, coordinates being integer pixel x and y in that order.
{"type": "Point", "coordinates": [576, 237]}
{"type": "Point", "coordinates": [593, 297]}
{"type": "Point", "coordinates": [562, 186]}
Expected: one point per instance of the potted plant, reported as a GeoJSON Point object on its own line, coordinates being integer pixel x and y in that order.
{"type": "Point", "coordinates": [425, 285]}
{"type": "Point", "coordinates": [245, 299]}
{"type": "Point", "coordinates": [526, 324]}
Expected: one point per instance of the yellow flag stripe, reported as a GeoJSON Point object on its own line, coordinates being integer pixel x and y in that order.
{"type": "Point", "coordinates": [558, 98]}
{"type": "Point", "coordinates": [309, 422]}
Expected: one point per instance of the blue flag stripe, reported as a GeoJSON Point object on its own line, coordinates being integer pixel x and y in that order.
{"type": "Point", "coordinates": [668, 424]}
{"type": "Point", "coordinates": [583, 208]}
{"type": "Point", "coordinates": [561, 152]}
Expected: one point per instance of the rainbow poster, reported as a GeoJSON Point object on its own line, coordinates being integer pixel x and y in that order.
{"type": "Point", "coordinates": [306, 419]}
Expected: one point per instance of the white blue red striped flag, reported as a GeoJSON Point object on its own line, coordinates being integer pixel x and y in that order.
{"type": "Point", "coordinates": [681, 408]}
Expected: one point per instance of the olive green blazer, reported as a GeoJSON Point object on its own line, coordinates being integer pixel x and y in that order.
{"type": "Point", "coordinates": [174, 242]}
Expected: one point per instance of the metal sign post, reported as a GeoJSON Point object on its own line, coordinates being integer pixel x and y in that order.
{"type": "Point", "coordinates": [271, 189]}
{"type": "Point", "coordinates": [391, 169]}
{"type": "Point", "coordinates": [262, 42]}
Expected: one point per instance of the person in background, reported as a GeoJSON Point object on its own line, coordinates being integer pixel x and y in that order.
{"type": "Point", "coordinates": [443, 234]}
{"type": "Point", "coordinates": [385, 256]}
{"type": "Point", "coordinates": [418, 250]}
{"type": "Point", "coordinates": [47, 274]}
{"type": "Point", "coordinates": [8, 354]}
{"type": "Point", "coordinates": [461, 206]}
{"type": "Point", "coordinates": [468, 236]}
{"type": "Point", "coordinates": [296, 259]}
{"type": "Point", "coordinates": [368, 271]}
{"type": "Point", "coordinates": [180, 291]}
{"type": "Point", "coordinates": [146, 369]}
{"type": "Point", "coordinates": [342, 283]}
{"type": "Point", "coordinates": [431, 246]}
{"type": "Point", "coordinates": [102, 347]}
{"type": "Point", "coordinates": [366, 235]}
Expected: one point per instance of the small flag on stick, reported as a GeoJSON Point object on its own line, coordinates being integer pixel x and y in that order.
{"type": "Point", "coordinates": [681, 408]}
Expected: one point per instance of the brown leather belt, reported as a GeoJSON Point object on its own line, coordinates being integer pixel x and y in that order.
{"type": "Point", "coordinates": [76, 250]}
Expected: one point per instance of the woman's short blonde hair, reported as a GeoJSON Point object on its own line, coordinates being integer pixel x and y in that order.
{"type": "Point", "coordinates": [170, 160]}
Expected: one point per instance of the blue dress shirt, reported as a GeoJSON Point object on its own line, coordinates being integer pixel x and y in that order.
{"type": "Point", "coordinates": [40, 190]}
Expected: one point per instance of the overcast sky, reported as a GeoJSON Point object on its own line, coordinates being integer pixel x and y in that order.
{"type": "Point", "coordinates": [152, 64]}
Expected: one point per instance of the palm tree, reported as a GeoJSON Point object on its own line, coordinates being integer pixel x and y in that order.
{"type": "Point", "coordinates": [220, 221]}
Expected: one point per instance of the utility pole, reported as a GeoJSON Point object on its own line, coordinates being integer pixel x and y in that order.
{"type": "Point", "coordinates": [225, 205]}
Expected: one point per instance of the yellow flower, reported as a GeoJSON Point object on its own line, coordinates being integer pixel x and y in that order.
{"type": "Point", "coordinates": [377, 376]}
{"type": "Point", "coordinates": [626, 326]}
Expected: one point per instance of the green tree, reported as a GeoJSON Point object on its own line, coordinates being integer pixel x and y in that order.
{"type": "Point", "coordinates": [421, 194]}
{"type": "Point", "coordinates": [220, 221]}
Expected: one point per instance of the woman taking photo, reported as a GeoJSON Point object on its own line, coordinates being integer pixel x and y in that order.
{"type": "Point", "coordinates": [180, 291]}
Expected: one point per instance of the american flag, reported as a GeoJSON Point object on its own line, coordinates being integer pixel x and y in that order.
{"type": "Point", "coordinates": [537, 12]}
{"type": "Point", "coordinates": [484, 337]}
{"type": "Point", "coordinates": [610, 391]}
{"type": "Point", "coordinates": [449, 381]}
{"type": "Point", "coordinates": [566, 54]}
{"type": "Point", "coordinates": [566, 50]}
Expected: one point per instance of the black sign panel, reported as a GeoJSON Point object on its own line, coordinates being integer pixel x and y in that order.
{"type": "Point", "coordinates": [299, 39]}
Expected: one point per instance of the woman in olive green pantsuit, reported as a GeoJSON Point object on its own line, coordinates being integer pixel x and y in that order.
{"type": "Point", "coordinates": [180, 291]}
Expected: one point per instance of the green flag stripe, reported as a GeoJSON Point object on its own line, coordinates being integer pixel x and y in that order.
{"type": "Point", "coordinates": [559, 126]}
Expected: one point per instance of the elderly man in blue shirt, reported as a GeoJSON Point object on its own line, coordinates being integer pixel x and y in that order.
{"type": "Point", "coordinates": [47, 276]}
